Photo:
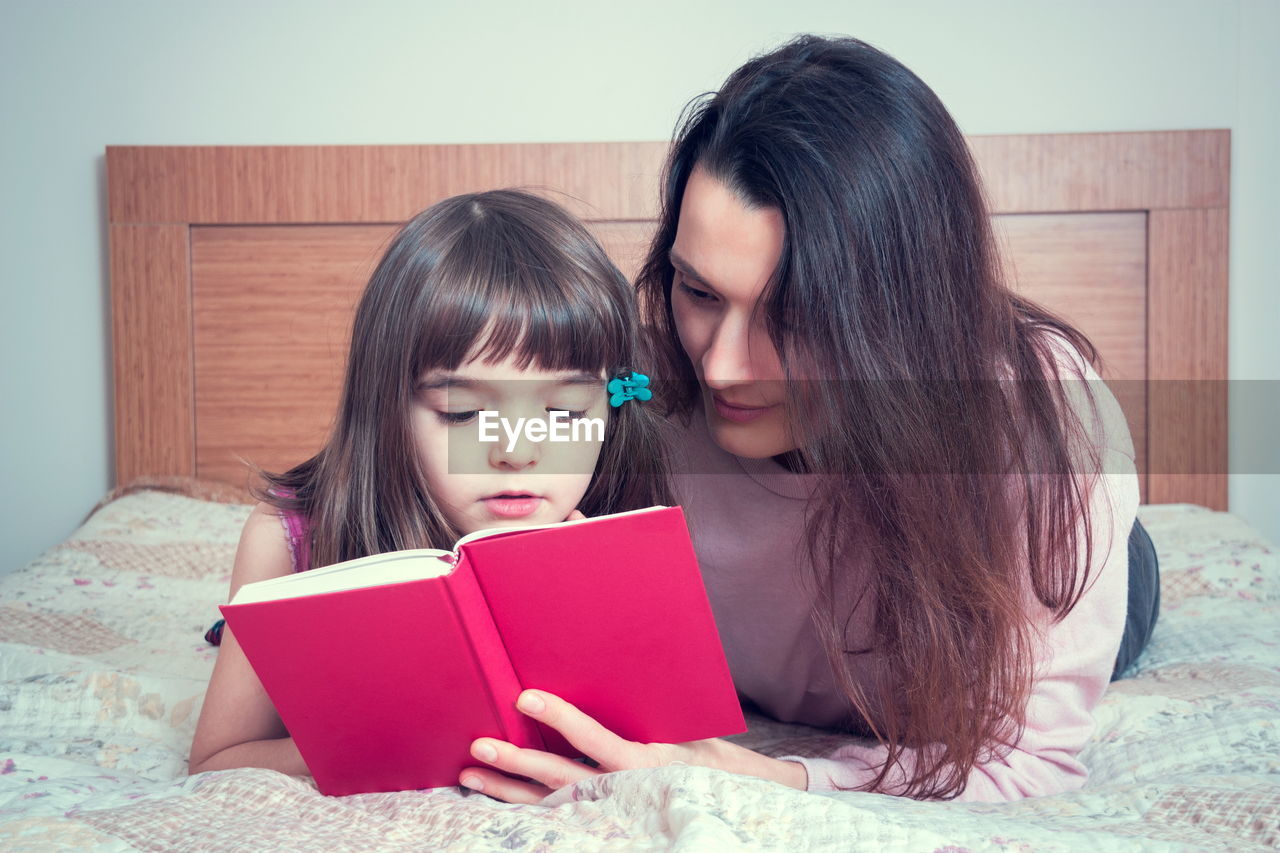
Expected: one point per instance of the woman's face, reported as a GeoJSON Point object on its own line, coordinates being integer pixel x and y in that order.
{"type": "Point", "coordinates": [724, 255]}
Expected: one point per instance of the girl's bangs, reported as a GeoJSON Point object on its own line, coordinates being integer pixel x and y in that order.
{"type": "Point", "coordinates": [552, 319]}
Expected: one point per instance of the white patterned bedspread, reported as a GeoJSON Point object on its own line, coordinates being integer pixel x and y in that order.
{"type": "Point", "coordinates": [103, 666]}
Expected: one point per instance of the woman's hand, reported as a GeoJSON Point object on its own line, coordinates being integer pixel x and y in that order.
{"type": "Point", "coordinates": [548, 772]}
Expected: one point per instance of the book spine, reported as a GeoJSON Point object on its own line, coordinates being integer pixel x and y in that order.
{"type": "Point", "coordinates": [491, 656]}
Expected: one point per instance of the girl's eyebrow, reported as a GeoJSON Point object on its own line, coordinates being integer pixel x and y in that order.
{"type": "Point", "coordinates": [447, 380]}
{"type": "Point", "coordinates": [581, 379]}
{"type": "Point", "coordinates": [686, 267]}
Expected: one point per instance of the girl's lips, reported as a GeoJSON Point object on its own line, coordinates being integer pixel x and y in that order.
{"type": "Point", "coordinates": [738, 414]}
{"type": "Point", "coordinates": [513, 506]}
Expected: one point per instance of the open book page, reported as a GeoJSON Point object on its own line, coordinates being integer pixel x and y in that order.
{"type": "Point", "coordinates": [500, 531]}
{"type": "Point", "coordinates": [388, 568]}
{"type": "Point", "coordinates": [376, 570]}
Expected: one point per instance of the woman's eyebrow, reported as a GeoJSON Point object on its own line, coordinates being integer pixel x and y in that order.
{"type": "Point", "coordinates": [685, 267]}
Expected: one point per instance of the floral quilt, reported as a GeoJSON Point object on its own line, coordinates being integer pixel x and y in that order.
{"type": "Point", "coordinates": [103, 669]}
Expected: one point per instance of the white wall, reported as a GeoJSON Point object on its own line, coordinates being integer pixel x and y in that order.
{"type": "Point", "coordinates": [78, 75]}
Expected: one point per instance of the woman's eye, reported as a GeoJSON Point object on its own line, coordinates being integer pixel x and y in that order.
{"type": "Point", "coordinates": [573, 415]}
{"type": "Point", "coordinates": [694, 293]}
{"type": "Point", "coordinates": [454, 418]}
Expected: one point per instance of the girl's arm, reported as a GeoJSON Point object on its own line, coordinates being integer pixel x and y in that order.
{"type": "Point", "coordinates": [238, 726]}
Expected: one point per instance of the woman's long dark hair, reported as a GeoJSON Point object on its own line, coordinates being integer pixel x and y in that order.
{"type": "Point", "coordinates": [495, 273]}
{"type": "Point", "coordinates": [960, 494]}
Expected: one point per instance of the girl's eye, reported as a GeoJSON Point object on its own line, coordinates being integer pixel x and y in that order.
{"type": "Point", "coordinates": [573, 416]}
{"type": "Point", "coordinates": [454, 418]}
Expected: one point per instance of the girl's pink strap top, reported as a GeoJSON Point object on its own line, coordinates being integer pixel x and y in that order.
{"type": "Point", "coordinates": [297, 535]}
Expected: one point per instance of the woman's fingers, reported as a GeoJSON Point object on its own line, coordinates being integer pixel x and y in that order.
{"type": "Point", "coordinates": [592, 739]}
{"type": "Point", "coordinates": [545, 771]}
{"type": "Point", "coordinates": [502, 787]}
{"type": "Point", "coordinates": [548, 771]}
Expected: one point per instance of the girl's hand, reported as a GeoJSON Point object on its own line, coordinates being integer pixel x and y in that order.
{"type": "Point", "coordinates": [548, 772]}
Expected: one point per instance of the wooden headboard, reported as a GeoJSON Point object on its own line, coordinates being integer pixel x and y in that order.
{"type": "Point", "coordinates": [234, 272]}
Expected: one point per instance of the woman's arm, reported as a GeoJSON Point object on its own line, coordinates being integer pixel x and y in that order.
{"type": "Point", "coordinates": [1072, 672]}
{"type": "Point", "coordinates": [1073, 669]}
{"type": "Point", "coordinates": [1075, 656]}
{"type": "Point", "coordinates": [548, 772]}
{"type": "Point", "coordinates": [238, 726]}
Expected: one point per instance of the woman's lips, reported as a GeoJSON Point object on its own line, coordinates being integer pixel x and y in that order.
{"type": "Point", "coordinates": [513, 506]}
{"type": "Point", "coordinates": [738, 414]}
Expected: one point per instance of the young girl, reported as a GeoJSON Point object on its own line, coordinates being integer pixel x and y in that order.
{"type": "Point", "coordinates": [493, 302]}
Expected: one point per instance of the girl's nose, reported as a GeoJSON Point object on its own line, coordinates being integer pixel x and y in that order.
{"type": "Point", "coordinates": [515, 455]}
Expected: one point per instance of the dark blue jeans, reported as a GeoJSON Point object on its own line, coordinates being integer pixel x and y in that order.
{"type": "Point", "coordinates": [1144, 599]}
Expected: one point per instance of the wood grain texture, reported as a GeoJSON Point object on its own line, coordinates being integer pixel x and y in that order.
{"type": "Point", "coordinates": [273, 310]}
{"type": "Point", "coordinates": [617, 180]}
{"type": "Point", "coordinates": [377, 183]}
{"type": "Point", "coordinates": [1105, 171]}
{"type": "Point", "coordinates": [151, 342]}
{"type": "Point", "coordinates": [627, 243]}
{"type": "Point", "coordinates": [1187, 356]}
{"type": "Point", "coordinates": [256, 373]}
{"type": "Point", "coordinates": [1090, 269]}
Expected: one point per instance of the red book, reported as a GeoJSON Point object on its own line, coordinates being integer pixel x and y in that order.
{"type": "Point", "coordinates": [386, 668]}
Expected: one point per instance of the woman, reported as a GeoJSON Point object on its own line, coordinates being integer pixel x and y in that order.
{"type": "Point", "coordinates": [908, 493]}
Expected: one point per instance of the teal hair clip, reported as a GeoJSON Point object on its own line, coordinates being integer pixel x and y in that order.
{"type": "Point", "coordinates": [632, 386]}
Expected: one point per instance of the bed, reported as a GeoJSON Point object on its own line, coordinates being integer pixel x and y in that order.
{"type": "Point", "coordinates": [234, 271]}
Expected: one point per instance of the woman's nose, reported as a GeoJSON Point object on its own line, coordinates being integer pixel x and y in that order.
{"type": "Point", "coordinates": [727, 359]}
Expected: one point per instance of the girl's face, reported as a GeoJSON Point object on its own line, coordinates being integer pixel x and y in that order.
{"type": "Point", "coordinates": [724, 255]}
{"type": "Point", "coordinates": [515, 478]}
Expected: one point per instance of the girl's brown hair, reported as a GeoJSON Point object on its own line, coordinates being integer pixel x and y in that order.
{"type": "Point", "coordinates": [490, 274]}
{"type": "Point", "coordinates": [889, 288]}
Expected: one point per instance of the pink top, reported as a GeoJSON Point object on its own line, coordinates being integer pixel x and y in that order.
{"type": "Point", "coordinates": [297, 535]}
{"type": "Point", "coordinates": [747, 517]}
